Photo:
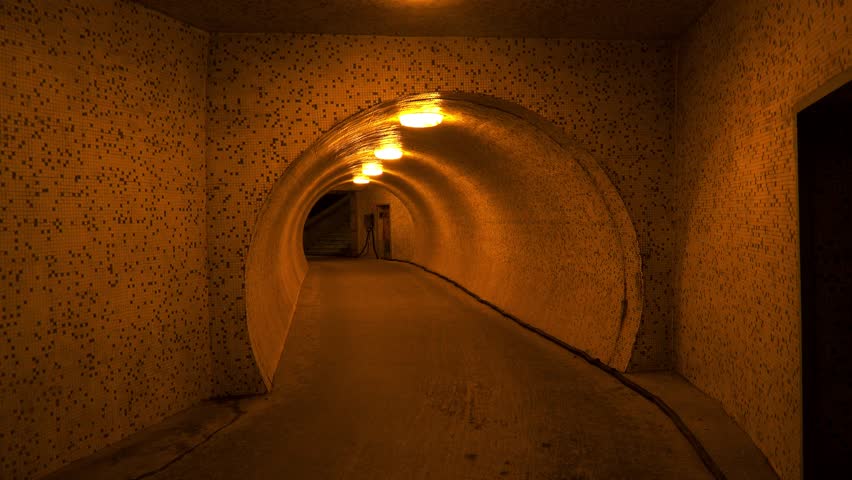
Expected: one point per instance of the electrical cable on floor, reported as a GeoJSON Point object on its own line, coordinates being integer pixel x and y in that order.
{"type": "Point", "coordinates": [366, 242]}
{"type": "Point", "coordinates": [371, 234]}
{"type": "Point", "coordinates": [702, 453]}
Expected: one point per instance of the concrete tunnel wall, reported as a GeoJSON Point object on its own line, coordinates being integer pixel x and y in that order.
{"type": "Point", "coordinates": [500, 201]}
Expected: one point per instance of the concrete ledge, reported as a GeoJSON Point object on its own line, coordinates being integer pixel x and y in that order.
{"type": "Point", "coordinates": [150, 450]}
{"type": "Point", "coordinates": [729, 445]}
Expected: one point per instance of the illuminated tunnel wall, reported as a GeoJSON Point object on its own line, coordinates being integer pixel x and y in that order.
{"type": "Point", "coordinates": [500, 201]}
{"type": "Point", "coordinates": [272, 96]}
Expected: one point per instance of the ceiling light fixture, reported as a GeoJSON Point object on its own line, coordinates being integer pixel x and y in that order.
{"type": "Point", "coordinates": [361, 179]}
{"type": "Point", "coordinates": [420, 119]}
{"type": "Point", "coordinates": [371, 169]}
{"type": "Point", "coordinates": [390, 152]}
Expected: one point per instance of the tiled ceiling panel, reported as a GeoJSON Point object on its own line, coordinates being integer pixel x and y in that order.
{"type": "Point", "coordinates": [598, 19]}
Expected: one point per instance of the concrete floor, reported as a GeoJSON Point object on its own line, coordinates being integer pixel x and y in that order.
{"type": "Point", "coordinates": [390, 372]}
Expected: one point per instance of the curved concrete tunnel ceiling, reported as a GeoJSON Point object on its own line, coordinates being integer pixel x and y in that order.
{"type": "Point", "coordinates": [501, 202]}
{"type": "Point", "coordinates": [595, 19]}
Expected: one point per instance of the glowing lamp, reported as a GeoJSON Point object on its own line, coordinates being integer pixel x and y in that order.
{"type": "Point", "coordinates": [371, 169]}
{"type": "Point", "coordinates": [388, 153]}
{"type": "Point", "coordinates": [421, 119]}
{"type": "Point", "coordinates": [361, 179]}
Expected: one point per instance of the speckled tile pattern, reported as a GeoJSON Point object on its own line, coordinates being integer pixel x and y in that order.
{"type": "Point", "coordinates": [103, 281]}
{"type": "Point", "coordinates": [271, 96]}
{"type": "Point", "coordinates": [741, 70]}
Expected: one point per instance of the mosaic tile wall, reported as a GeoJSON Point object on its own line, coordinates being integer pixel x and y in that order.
{"type": "Point", "coordinates": [271, 96]}
{"type": "Point", "coordinates": [741, 70]}
{"type": "Point", "coordinates": [103, 290]}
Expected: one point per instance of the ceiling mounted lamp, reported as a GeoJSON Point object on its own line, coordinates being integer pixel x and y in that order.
{"type": "Point", "coordinates": [371, 169]}
{"type": "Point", "coordinates": [360, 179]}
{"type": "Point", "coordinates": [388, 152]}
{"type": "Point", "coordinates": [420, 119]}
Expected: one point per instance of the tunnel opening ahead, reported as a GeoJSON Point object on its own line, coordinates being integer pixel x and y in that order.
{"type": "Point", "coordinates": [358, 222]}
{"type": "Point", "coordinates": [489, 195]}
{"type": "Point", "coordinates": [329, 229]}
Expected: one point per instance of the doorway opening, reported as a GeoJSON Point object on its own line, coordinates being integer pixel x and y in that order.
{"type": "Point", "coordinates": [825, 221]}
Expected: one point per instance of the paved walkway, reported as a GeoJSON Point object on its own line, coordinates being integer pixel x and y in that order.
{"type": "Point", "coordinates": [391, 373]}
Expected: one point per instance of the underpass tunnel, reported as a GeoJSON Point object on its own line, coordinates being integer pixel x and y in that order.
{"type": "Point", "coordinates": [490, 195]}
{"type": "Point", "coordinates": [648, 203]}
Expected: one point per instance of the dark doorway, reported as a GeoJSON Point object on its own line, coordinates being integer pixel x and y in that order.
{"type": "Point", "coordinates": [825, 216]}
{"type": "Point", "coordinates": [385, 230]}
{"type": "Point", "coordinates": [329, 228]}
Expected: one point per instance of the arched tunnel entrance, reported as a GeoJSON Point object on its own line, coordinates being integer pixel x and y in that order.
{"type": "Point", "coordinates": [497, 199]}
{"type": "Point", "coordinates": [391, 372]}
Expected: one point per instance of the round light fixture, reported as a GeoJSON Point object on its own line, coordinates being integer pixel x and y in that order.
{"type": "Point", "coordinates": [361, 179]}
{"type": "Point", "coordinates": [420, 119]}
{"type": "Point", "coordinates": [388, 153]}
{"type": "Point", "coordinates": [371, 169]}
